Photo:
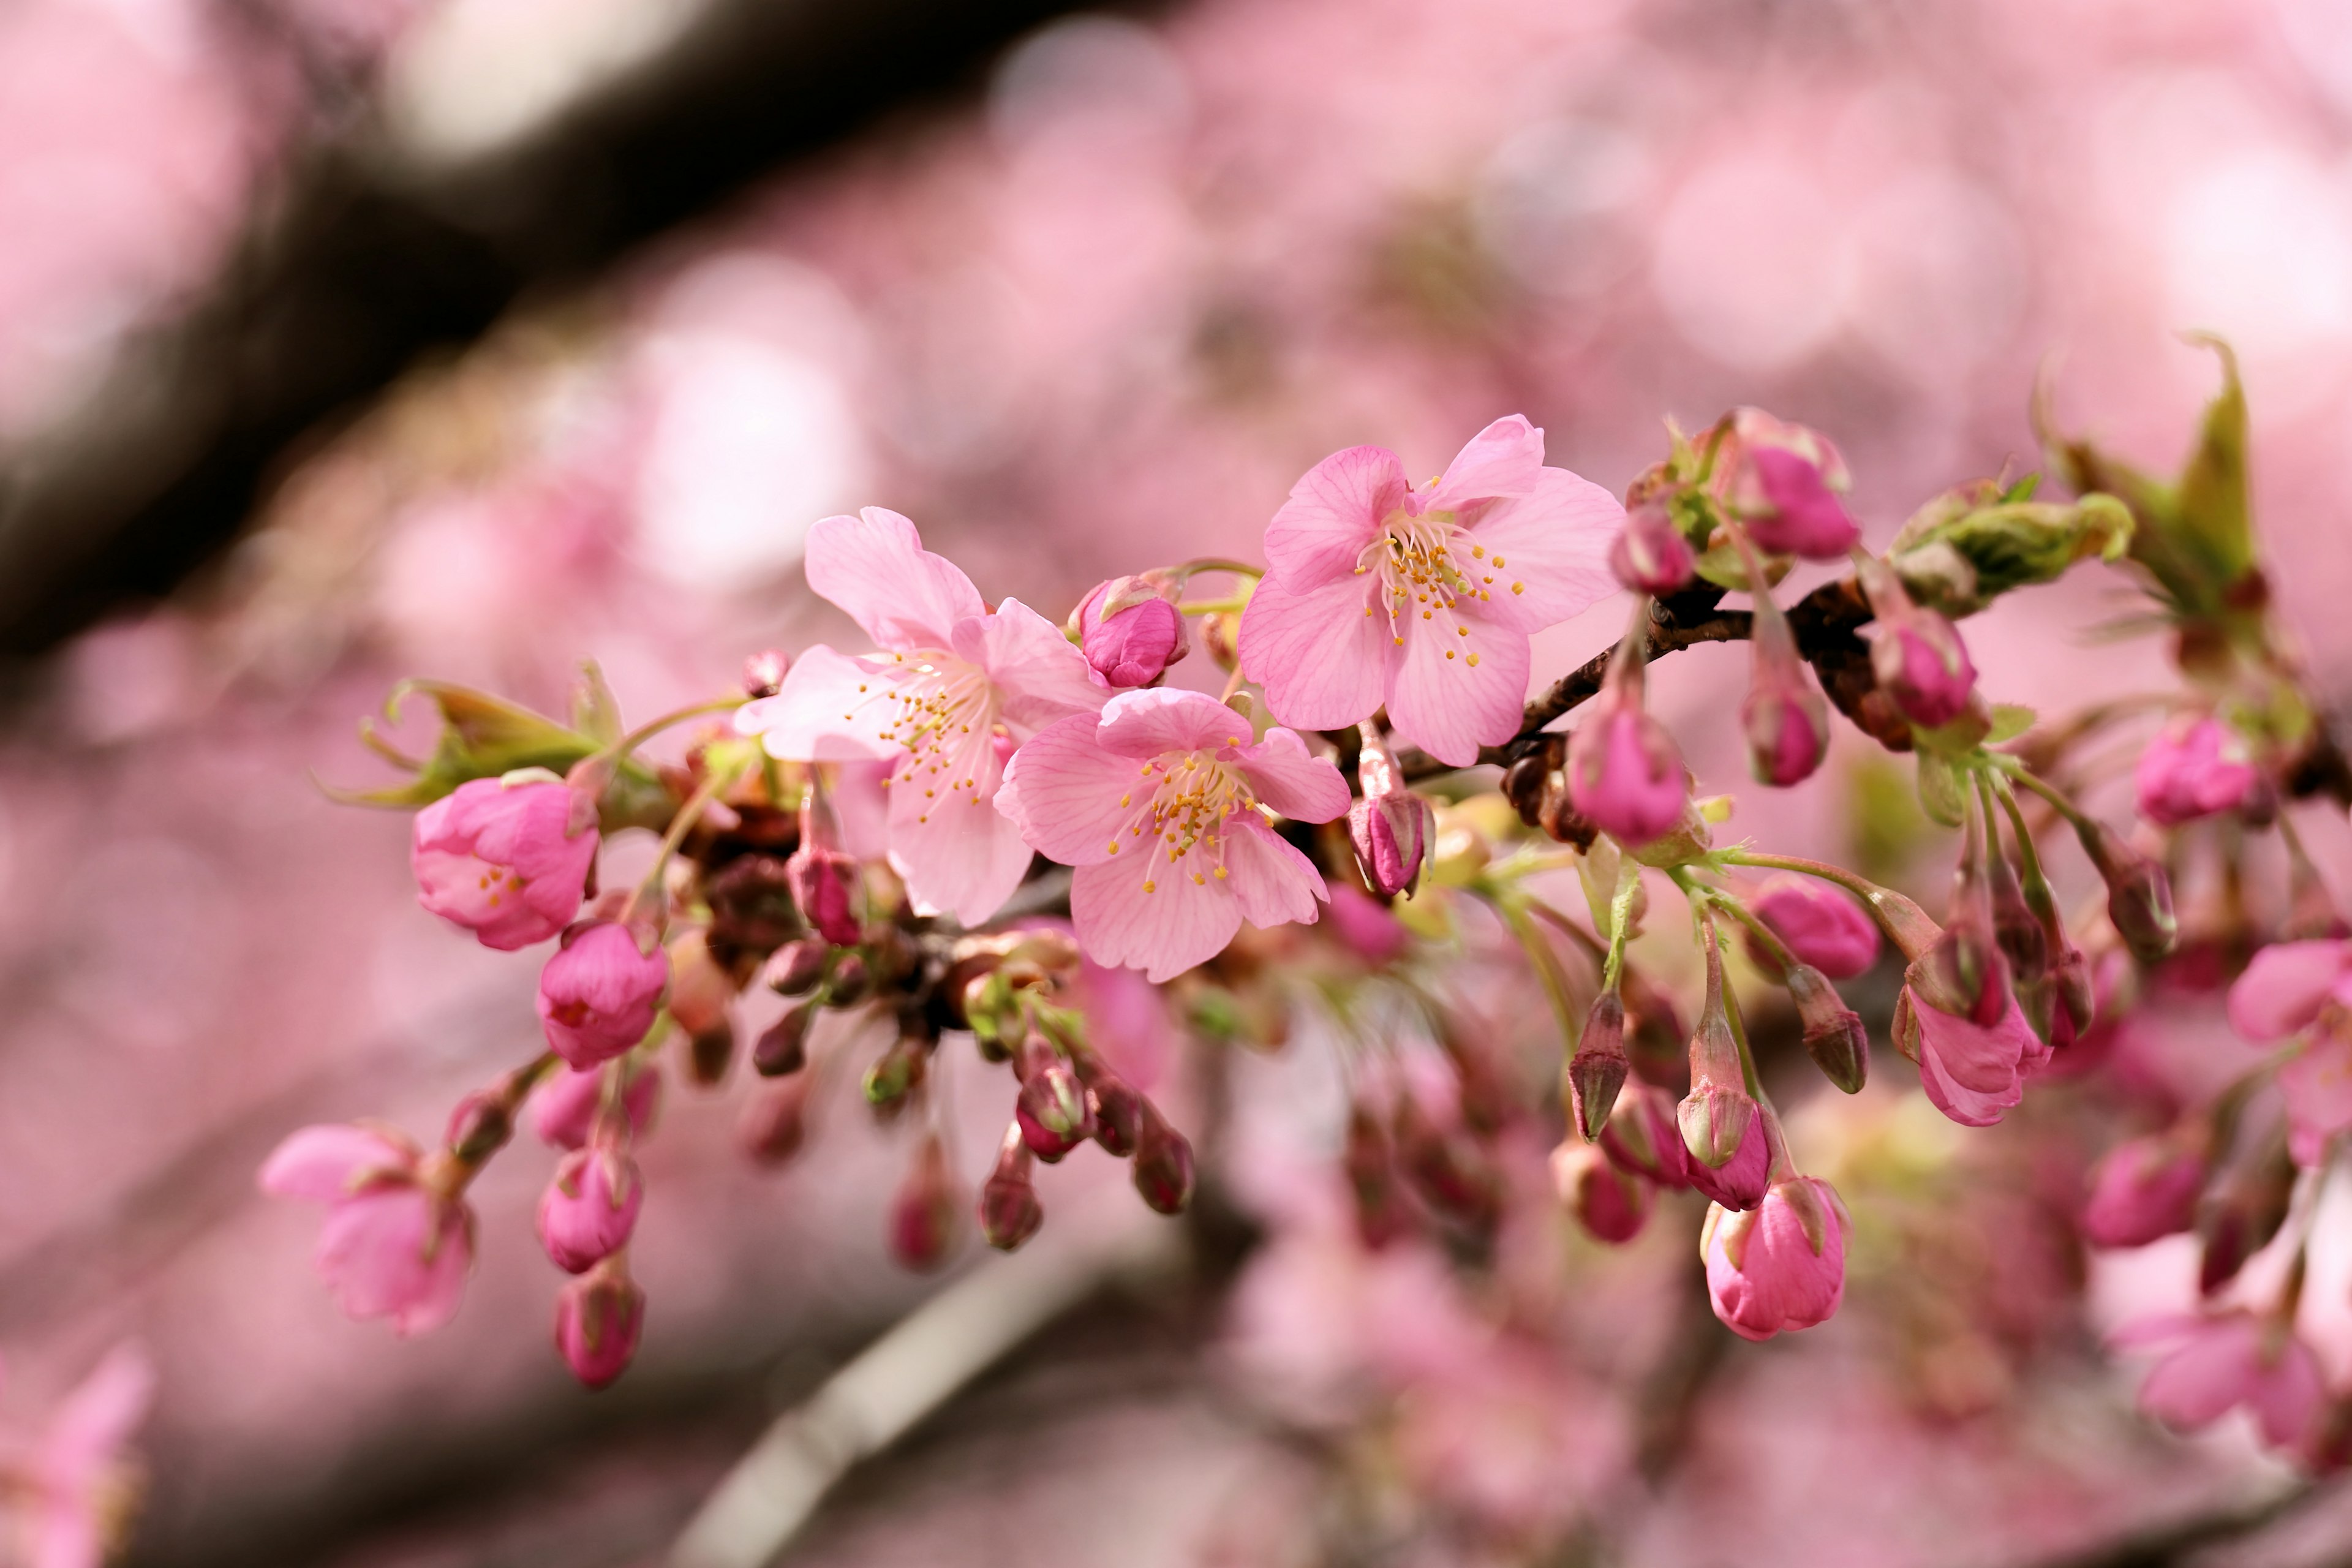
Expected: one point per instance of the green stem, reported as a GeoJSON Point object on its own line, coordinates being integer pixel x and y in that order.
{"type": "Point", "coordinates": [1231, 605]}
{"type": "Point", "coordinates": [1621, 918]}
{"type": "Point", "coordinates": [644, 732]}
{"type": "Point", "coordinates": [1546, 966]}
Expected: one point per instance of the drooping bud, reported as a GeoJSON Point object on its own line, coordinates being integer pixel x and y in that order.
{"type": "Point", "coordinates": [782, 1047]}
{"type": "Point", "coordinates": [599, 994]}
{"type": "Point", "coordinates": [1163, 1165]}
{"type": "Point", "coordinates": [823, 876]}
{"type": "Point", "coordinates": [564, 1109]}
{"type": "Point", "coordinates": [1641, 1137]}
{"type": "Point", "coordinates": [1383, 1213]}
{"type": "Point", "coordinates": [775, 1124]}
{"type": "Point", "coordinates": [1118, 1109]}
{"type": "Point", "coordinates": [1597, 1071]}
{"type": "Point", "coordinates": [1053, 1111]}
{"type": "Point", "coordinates": [1390, 826]}
{"type": "Point", "coordinates": [1820, 925]}
{"type": "Point", "coordinates": [923, 1214]}
{"type": "Point", "coordinates": [1785, 717]}
{"type": "Point", "coordinates": [2196, 767]}
{"type": "Point", "coordinates": [794, 969]}
{"type": "Point", "coordinates": [1651, 555]}
{"type": "Point", "coordinates": [1834, 1036]}
{"type": "Point", "coordinates": [1781, 1267]}
{"type": "Point", "coordinates": [1130, 630]}
{"type": "Point", "coordinates": [1609, 1202]}
{"type": "Point", "coordinates": [2143, 1190]}
{"type": "Point", "coordinates": [898, 1070]}
{"type": "Point", "coordinates": [1784, 481]}
{"type": "Point", "coordinates": [1722, 1126]}
{"type": "Point", "coordinates": [482, 1123]}
{"type": "Point", "coordinates": [1623, 772]}
{"type": "Point", "coordinates": [599, 1317]}
{"type": "Point", "coordinates": [763, 672]}
{"type": "Point", "coordinates": [851, 980]}
{"type": "Point", "coordinates": [2018, 929]}
{"type": "Point", "coordinates": [590, 1208]}
{"type": "Point", "coordinates": [1010, 1213]}
{"type": "Point", "coordinates": [2139, 895]}
{"type": "Point", "coordinates": [1919, 658]}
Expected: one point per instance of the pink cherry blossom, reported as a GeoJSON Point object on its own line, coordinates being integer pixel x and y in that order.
{"type": "Point", "coordinates": [1973, 1072]}
{"type": "Point", "coordinates": [2144, 1190]}
{"type": "Point", "coordinates": [2284, 989]}
{"type": "Point", "coordinates": [2224, 1361]}
{"type": "Point", "coordinates": [955, 688]}
{"type": "Point", "coordinates": [79, 1479]}
{"type": "Point", "coordinates": [1423, 599]}
{"type": "Point", "coordinates": [394, 1246]}
{"type": "Point", "coordinates": [2194, 767]}
{"type": "Point", "coordinates": [1781, 1266]}
{"type": "Point", "coordinates": [1157, 803]}
{"type": "Point", "coordinates": [1820, 925]}
{"type": "Point", "coordinates": [599, 994]}
{"type": "Point", "coordinates": [2318, 1088]}
{"type": "Point", "coordinates": [589, 1207]}
{"type": "Point", "coordinates": [564, 1108]}
{"type": "Point", "coordinates": [506, 858]}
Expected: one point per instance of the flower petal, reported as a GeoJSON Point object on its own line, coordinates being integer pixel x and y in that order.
{"type": "Point", "coordinates": [2318, 1088]}
{"type": "Point", "coordinates": [1282, 775]}
{"type": "Point", "coordinates": [98, 1417]}
{"type": "Point", "coordinates": [874, 567]}
{"type": "Point", "coordinates": [1273, 883]}
{"type": "Point", "coordinates": [1142, 724]}
{"type": "Point", "coordinates": [397, 1254]}
{"type": "Point", "coordinates": [1500, 461]}
{"type": "Point", "coordinates": [1319, 654]}
{"type": "Point", "coordinates": [323, 1163]}
{"type": "Point", "coordinates": [955, 853]}
{"type": "Point", "coordinates": [1039, 675]}
{"type": "Point", "coordinates": [1450, 706]}
{"type": "Point", "coordinates": [1065, 792]}
{"type": "Point", "coordinates": [1554, 542]}
{"type": "Point", "coordinates": [830, 709]}
{"type": "Point", "coordinates": [1969, 1107]}
{"type": "Point", "coordinates": [1178, 924]}
{"type": "Point", "coordinates": [2282, 989]}
{"type": "Point", "coordinates": [1333, 514]}
{"type": "Point", "coordinates": [2210, 1374]}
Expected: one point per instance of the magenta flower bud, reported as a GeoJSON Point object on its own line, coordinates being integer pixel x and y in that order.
{"type": "Point", "coordinates": [1785, 717]}
{"type": "Point", "coordinates": [1651, 555]}
{"type": "Point", "coordinates": [2143, 1190]}
{"type": "Point", "coordinates": [1390, 826]}
{"type": "Point", "coordinates": [775, 1124]}
{"type": "Point", "coordinates": [2139, 895]}
{"type": "Point", "coordinates": [822, 878]}
{"type": "Point", "coordinates": [1624, 774]}
{"type": "Point", "coordinates": [1973, 1072]}
{"type": "Point", "coordinates": [1834, 1036]}
{"type": "Point", "coordinates": [1596, 1073]}
{"type": "Point", "coordinates": [1118, 1109]}
{"type": "Point", "coordinates": [1730, 1157]}
{"type": "Point", "coordinates": [598, 995]}
{"type": "Point", "coordinates": [2195, 767]}
{"type": "Point", "coordinates": [1820, 925]}
{"type": "Point", "coordinates": [563, 1110]}
{"type": "Point", "coordinates": [924, 1212]}
{"type": "Point", "coordinates": [1163, 1165]}
{"type": "Point", "coordinates": [763, 672]}
{"type": "Point", "coordinates": [1784, 481]}
{"type": "Point", "coordinates": [1641, 1137]}
{"type": "Point", "coordinates": [782, 1048]}
{"type": "Point", "coordinates": [599, 1317]}
{"type": "Point", "coordinates": [1010, 1213]}
{"type": "Point", "coordinates": [1130, 630]}
{"type": "Point", "coordinates": [1610, 1203]}
{"type": "Point", "coordinates": [507, 860]}
{"type": "Point", "coordinates": [1052, 1111]}
{"type": "Point", "coordinates": [1781, 1266]}
{"type": "Point", "coordinates": [1917, 657]}
{"type": "Point", "coordinates": [590, 1208]}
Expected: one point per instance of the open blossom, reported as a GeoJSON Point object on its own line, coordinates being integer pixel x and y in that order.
{"type": "Point", "coordinates": [394, 1246]}
{"type": "Point", "coordinates": [1160, 803]}
{"type": "Point", "coordinates": [1782, 1265]}
{"type": "Point", "coordinates": [80, 1485]}
{"type": "Point", "coordinates": [598, 996]}
{"type": "Point", "coordinates": [1424, 599]}
{"type": "Point", "coordinates": [2219, 1362]}
{"type": "Point", "coordinates": [506, 858]}
{"type": "Point", "coordinates": [2194, 768]}
{"type": "Point", "coordinates": [953, 691]}
{"type": "Point", "coordinates": [1820, 925]}
{"type": "Point", "coordinates": [2297, 987]}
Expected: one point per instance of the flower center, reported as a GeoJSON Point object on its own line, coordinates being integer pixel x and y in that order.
{"type": "Point", "coordinates": [943, 712]}
{"type": "Point", "coordinates": [1423, 568]}
{"type": "Point", "coordinates": [1191, 796]}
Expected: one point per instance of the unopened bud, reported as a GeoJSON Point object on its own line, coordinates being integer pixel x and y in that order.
{"type": "Point", "coordinates": [896, 1072]}
{"type": "Point", "coordinates": [1917, 657]}
{"type": "Point", "coordinates": [782, 1047]}
{"type": "Point", "coordinates": [1010, 1213]}
{"type": "Point", "coordinates": [1784, 481]}
{"type": "Point", "coordinates": [1118, 1109]}
{"type": "Point", "coordinates": [482, 1122]}
{"type": "Point", "coordinates": [1597, 1071]}
{"type": "Point", "coordinates": [599, 1317]}
{"type": "Point", "coordinates": [1834, 1036]}
{"type": "Point", "coordinates": [923, 1214]}
{"type": "Point", "coordinates": [850, 983]}
{"type": "Point", "coordinates": [823, 878]}
{"type": "Point", "coordinates": [763, 672]}
{"type": "Point", "coordinates": [1785, 717]}
{"type": "Point", "coordinates": [1052, 1112]}
{"type": "Point", "coordinates": [1220, 634]}
{"type": "Point", "coordinates": [1624, 774]}
{"type": "Point", "coordinates": [1163, 1165]}
{"type": "Point", "coordinates": [1129, 628]}
{"type": "Point", "coordinates": [2244, 1210]}
{"type": "Point", "coordinates": [1390, 826]}
{"type": "Point", "coordinates": [2139, 895]}
{"type": "Point", "coordinates": [1643, 1138]}
{"type": "Point", "coordinates": [775, 1120]}
{"type": "Point", "coordinates": [1651, 555]}
{"type": "Point", "coordinates": [1609, 1202]}
{"type": "Point", "coordinates": [794, 969]}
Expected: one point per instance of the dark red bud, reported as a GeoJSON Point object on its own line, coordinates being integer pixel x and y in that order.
{"type": "Point", "coordinates": [850, 984]}
{"type": "Point", "coordinates": [923, 1214]}
{"type": "Point", "coordinates": [782, 1047]}
{"type": "Point", "coordinates": [2139, 895]}
{"type": "Point", "coordinates": [1597, 1071]}
{"type": "Point", "coordinates": [1010, 1213]}
{"type": "Point", "coordinates": [775, 1120]}
{"type": "Point", "coordinates": [1163, 1165]}
{"type": "Point", "coordinates": [794, 969]}
{"type": "Point", "coordinates": [1834, 1036]}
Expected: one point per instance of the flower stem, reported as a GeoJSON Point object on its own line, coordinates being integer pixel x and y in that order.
{"type": "Point", "coordinates": [644, 732]}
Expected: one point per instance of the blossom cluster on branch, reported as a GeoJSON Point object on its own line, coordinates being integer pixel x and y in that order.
{"type": "Point", "coordinates": [948, 829]}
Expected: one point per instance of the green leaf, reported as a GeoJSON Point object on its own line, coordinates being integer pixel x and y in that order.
{"type": "Point", "coordinates": [2214, 519]}
{"type": "Point", "coordinates": [596, 712]}
{"type": "Point", "coordinates": [2009, 719]}
{"type": "Point", "coordinates": [1939, 789]}
{"type": "Point", "coordinates": [482, 736]}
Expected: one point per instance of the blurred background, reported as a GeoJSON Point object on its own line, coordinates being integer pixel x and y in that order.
{"type": "Point", "coordinates": [344, 339]}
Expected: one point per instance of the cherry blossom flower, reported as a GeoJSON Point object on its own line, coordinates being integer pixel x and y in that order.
{"type": "Point", "coordinates": [1160, 805]}
{"type": "Point", "coordinates": [2219, 1362]}
{"type": "Point", "coordinates": [599, 994]}
{"type": "Point", "coordinates": [79, 1481]}
{"type": "Point", "coordinates": [2303, 987]}
{"type": "Point", "coordinates": [506, 858]}
{"type": "Point", "coordinates": [1423, 599]}
{"type": "Point", "coordinates": [1780, 1265]}
{"type": "Point", "coordinates": [395, 1245]}
{"type": "Point", "coordinates": [2194, 768]}
{"type": "Point", "coordinates": [955, 688]}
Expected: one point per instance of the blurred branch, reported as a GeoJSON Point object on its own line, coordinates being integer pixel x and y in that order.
{"type": "Point", "coordinates": [357, 269]}
{"type": "Point", "coordinates": [2168, 1545]}
{"type": "Point", "coordinates": [898, 1381]}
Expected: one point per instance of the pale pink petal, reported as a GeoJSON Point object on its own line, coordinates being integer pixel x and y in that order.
{"type": "Point", "coordinates": [1144, 724]}
{"type": "Point", "coordinates": [1969, 1107]}
{"type": "Point", "coordinates": [874, 567]}
{"type": "Point", "coordinates": [863, 806]}
{"type": "Point", "coordinates": [1301, 787]}
{"type": "Point", "coordinates": [1448, 706]}
{"type": "Point", "coordinates": [1553, 544]}
{"type": "Point", "coordinates": [99, 1416]}
{"type": "Point", "coordinates": [1980, 1058]}
{"type": "Point", "coordinates": [1502, 460]}
{"type": "Point", "coordinates": [70, 1535]}
{"type": "Point", "coordinates": [2318, 1088]}
{"type": "Point", "coordinates": [1039, 673]}
{"type": "Point", "coordinates": [1178, 924]}
{"type": "Point", "coordinates": [1271, 880]}
{"type": "Point", "coordinates": [2209, 1375]}
{"type": "Point", "coordinates": [2287, 1396]}
{"type": "Point", "coordinates": [956, 853]}
{"type": "Point", "coordinates": [2283, 988]}
{"type": "Point", "coordinates": [2157, 1329]}
{"type": "Point", "coordinates": [1321, 657]}
{"type": "Point", "coordinates": [324, 1162]}
{"type": "Point", "coordinates": [830, 709]}
{"type": "Point", "coordinates": [1333, 514]}
{"type": "Point", "coordinates": [396, 1254]}
{"type": "Point", "coordinates": [1065, 792]}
